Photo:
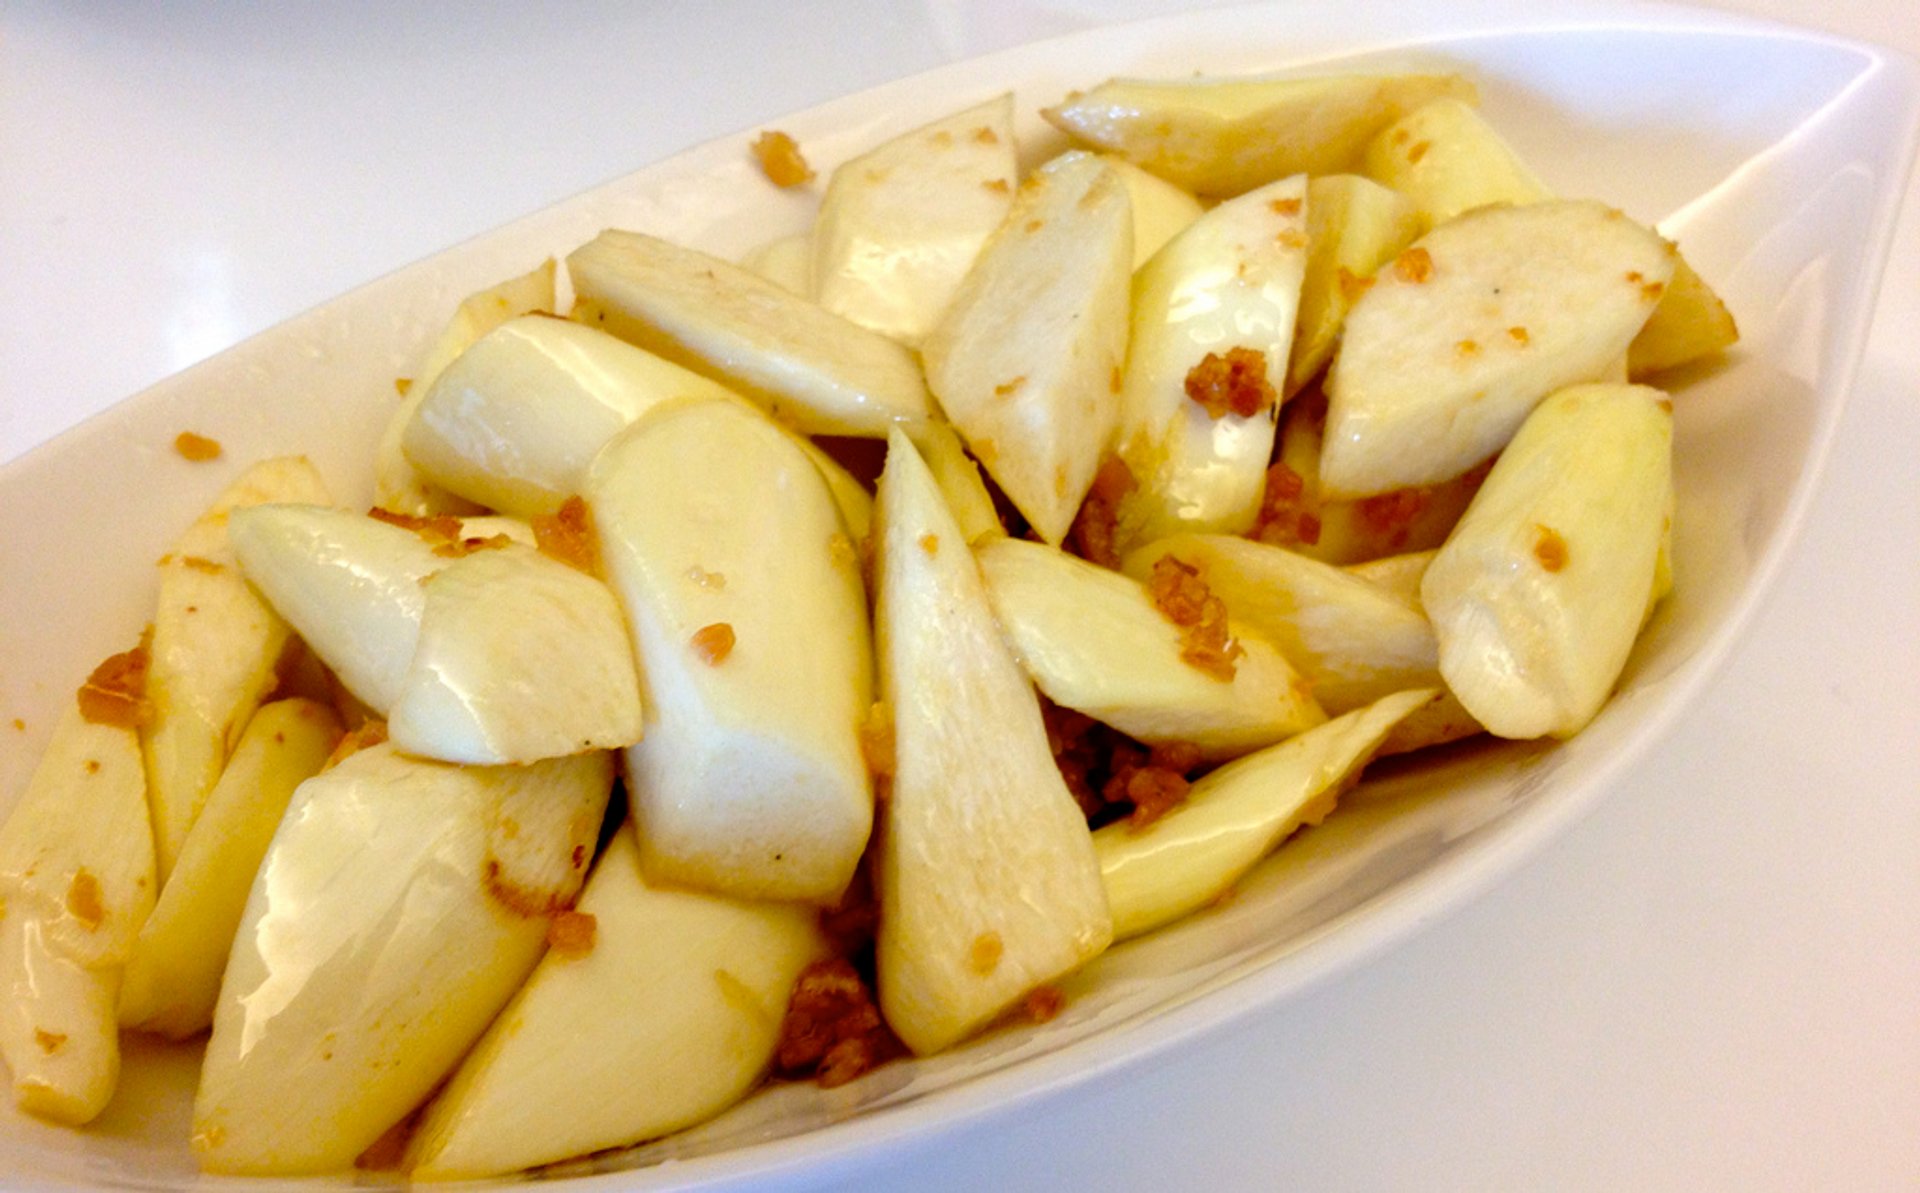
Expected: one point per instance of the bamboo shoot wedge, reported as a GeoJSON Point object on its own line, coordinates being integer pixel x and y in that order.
{"type": "Point", "coordinates": [515, 420]}
{"type": "Point", "coordinates": [397, 484]}
{"type": "Point", "coordinates": [987, 881]}
{"type": "Point", "coordinates": [1354, 226]}
{"type": "Point", "coordinates": [786, 262]}
{"type": "Point", "coordinates": [1093, 641]}
{"type": "Point", "coordinates": [743, 596]}
{"type": "Point", "coordinates": [1213, 319]}
{"type": "Point", "coordinates": [1161, 210]}
{"type": "Point", "coordinates": [173, 975]}
{"type": "Point", "coordinates": [1538, 595]}
{"type": "Point", "coordinates": [1471, 327]}
{"type": "Point", "coordinates": [350, 585]}
{"type": "Point", "coordinates": [825, 374]}
{"type": "Point", "coordinates": [901, 224]}
{"type": "Point", "coordinates": [1025, 363]}
{"type": "Point", "coordinates": [401, 904]}
{"type": "Point", "coordinates": [1296, 514]}
{"type": "Point", "coordinates": [669, 1015]}
{"type": "Point", "coordinates": [520, 657]}
{"type": "Point", "coordinates": [1354, 641]}
{"type": "Point", "coordinates": [76, 883]}
{"type": "Point", "coordinates": [1234, 816]}
{"type": "Point", "coordinates": [1448, 159]}
{"type": "Point", "coordinates": [1224, 136]}
{"type": "Point", "coordinates": [959, 480]}
{"type": "Point", "coordinates": [215, 645]}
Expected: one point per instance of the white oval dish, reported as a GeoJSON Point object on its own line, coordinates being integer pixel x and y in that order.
{"type": "Point", "coordinates": [1775, 156]}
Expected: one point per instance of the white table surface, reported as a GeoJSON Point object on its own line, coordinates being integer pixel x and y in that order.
{"type": "Point", "coordinates": [1714, 981]}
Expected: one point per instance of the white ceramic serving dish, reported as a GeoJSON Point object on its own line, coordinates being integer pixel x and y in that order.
{"type": "Point", "coordinates": [1775, 157]}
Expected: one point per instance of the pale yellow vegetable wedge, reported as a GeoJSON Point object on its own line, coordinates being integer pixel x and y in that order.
{"type": "Point", "coordinates": [76, 883]}
{"type": "Point", "coordinates": [824, 374]}
{"type": "Point", "coordinates": [1026, 361]}
{"type": "Point", "coordinates": [1397, 574]}
{"type": "Point", "coordinates": [959, 480]}
{"type": "Point", "coordinates": [1353, 641]}
{"type": "Point", "coordinates": [1691, 322]}
{"type": "Point", "coordinates": [1348, 532]}
{"type": "Point", "coordinates": [1161, 210]}
{"type": "Point", "coordinates": [1230, 281]}
{"type": "Point", "coordinates": [173, 976]}
{"type": "Point", "coordinates": [381, 936]}
{"type": "Point", "coordinates": [397, 485]}
{"type": "Point", "coordinates": [1538, 595]}
{"type": "Point", "coordinates": [516, 419]}
{"type": "Point", "coordinates": [1093, 641]}
{"type": "Point", "coordinates": [669, 1018]}
{"type": "Point", "coordinates": [350, 586]}
{"type": "Point", "coordinates": [854, 500]}
{"type": "Point", "coordinates": [215, 644]}
{"type": "Point", "coordinates": [520, 658]}
{"type": "Point", "coordinates": [1436, 723]}
{"type": "Point", "coordinates": [1354, 226]}
{"type": "Point", "coordinates": [786, 262]}
{"type": "Point", "coordinates": [902, 223]}
{"type": "Point", "coordinates": [1443, 719]}
{"type": "Point", "coordinates": [1471, 327]}
{"type": "Point", "coordinates": [1448, 159]}
{"type": "Point", "coordinates": [1224, 136]}
{"type": "Point", "coordinates": [743, 595]}
{"type": "Point", "coordinates": [57, 1028]}
{"type": "Point", "coordinates": [1236, 815]}
{"type": "Point", "coordinates": [986, 878]}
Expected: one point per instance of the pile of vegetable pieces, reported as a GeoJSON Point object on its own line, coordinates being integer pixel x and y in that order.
{"type": "Point", "coordinates": [497, 827]}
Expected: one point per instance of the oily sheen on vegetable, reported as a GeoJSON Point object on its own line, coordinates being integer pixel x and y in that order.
{"type": "Point", "coordinates": [811, 663]}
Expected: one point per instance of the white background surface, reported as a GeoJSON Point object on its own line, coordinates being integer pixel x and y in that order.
{"type": "Point", "coordinates": [1712, 982]}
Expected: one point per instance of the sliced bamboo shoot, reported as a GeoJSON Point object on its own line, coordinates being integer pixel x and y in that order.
{"type": "Point", "coordinates": [1300, 516]}
{"type": "Point", "coordinates": [76, 883]}
{"type": "Point", "coordinates": [786, 262]}
{"type": "Point", "coordinates": [1353, 228]}
{"type": "Point", "coordinates": [1448, 159]}
{"type": "Point", "coordinates": [1538, 595]}
{"type": "Point", "coordinates": [744, 598]}
{"type": "Point", "coordinates": [516, 419]}
{"type": "Point", "coordinates": [854, 500]}
{"type": "Point", "coordinates": [987, 881]}
{"type": "Point", "coordinates": [173, 976]}
{"type": "Point", "coordinates": [378, 943]}
{"type": "Point", "coordinates": [1161, 210]}
{"type": "Point", "coordinates": [1691, 322]}
{"type": "Point", "coordinates": [1397, 574]}
{"type": "Point", "coordinates": [1026, 362]}
{"type": "Point", "coordinates": [520, 658]}
{"type": "Point", "coordinates": [826, 375]}
{"type": "Point", "coordinates": [1225, 136]}
{"type": "Point", "coordinates": [350, 586]}
{"type": "Point", "coordinates": [397, 485]}
{"type": "Point", "coordinates": [1213, 317]}
{"type": "Point", "coordinates": [215, 644]}
{"type": "Point", "coordinates": [1353, 641]}
{"type": "Point", "coordinates": [901, 224]}
{"type": "Point", "coordinates": [1234, 816]}
{"type": "Point", "coordinates": [959, 480]}
{"type": "Point", "coordinates": [1464, 334]}
{"type": "Point", "coordinates": [1093, 641]}
{"type": "Point", "coordinates": [669, 1017]}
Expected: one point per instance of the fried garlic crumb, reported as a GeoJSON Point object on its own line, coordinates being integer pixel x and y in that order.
{"type": "Point", "coordinates": [780, 159]}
